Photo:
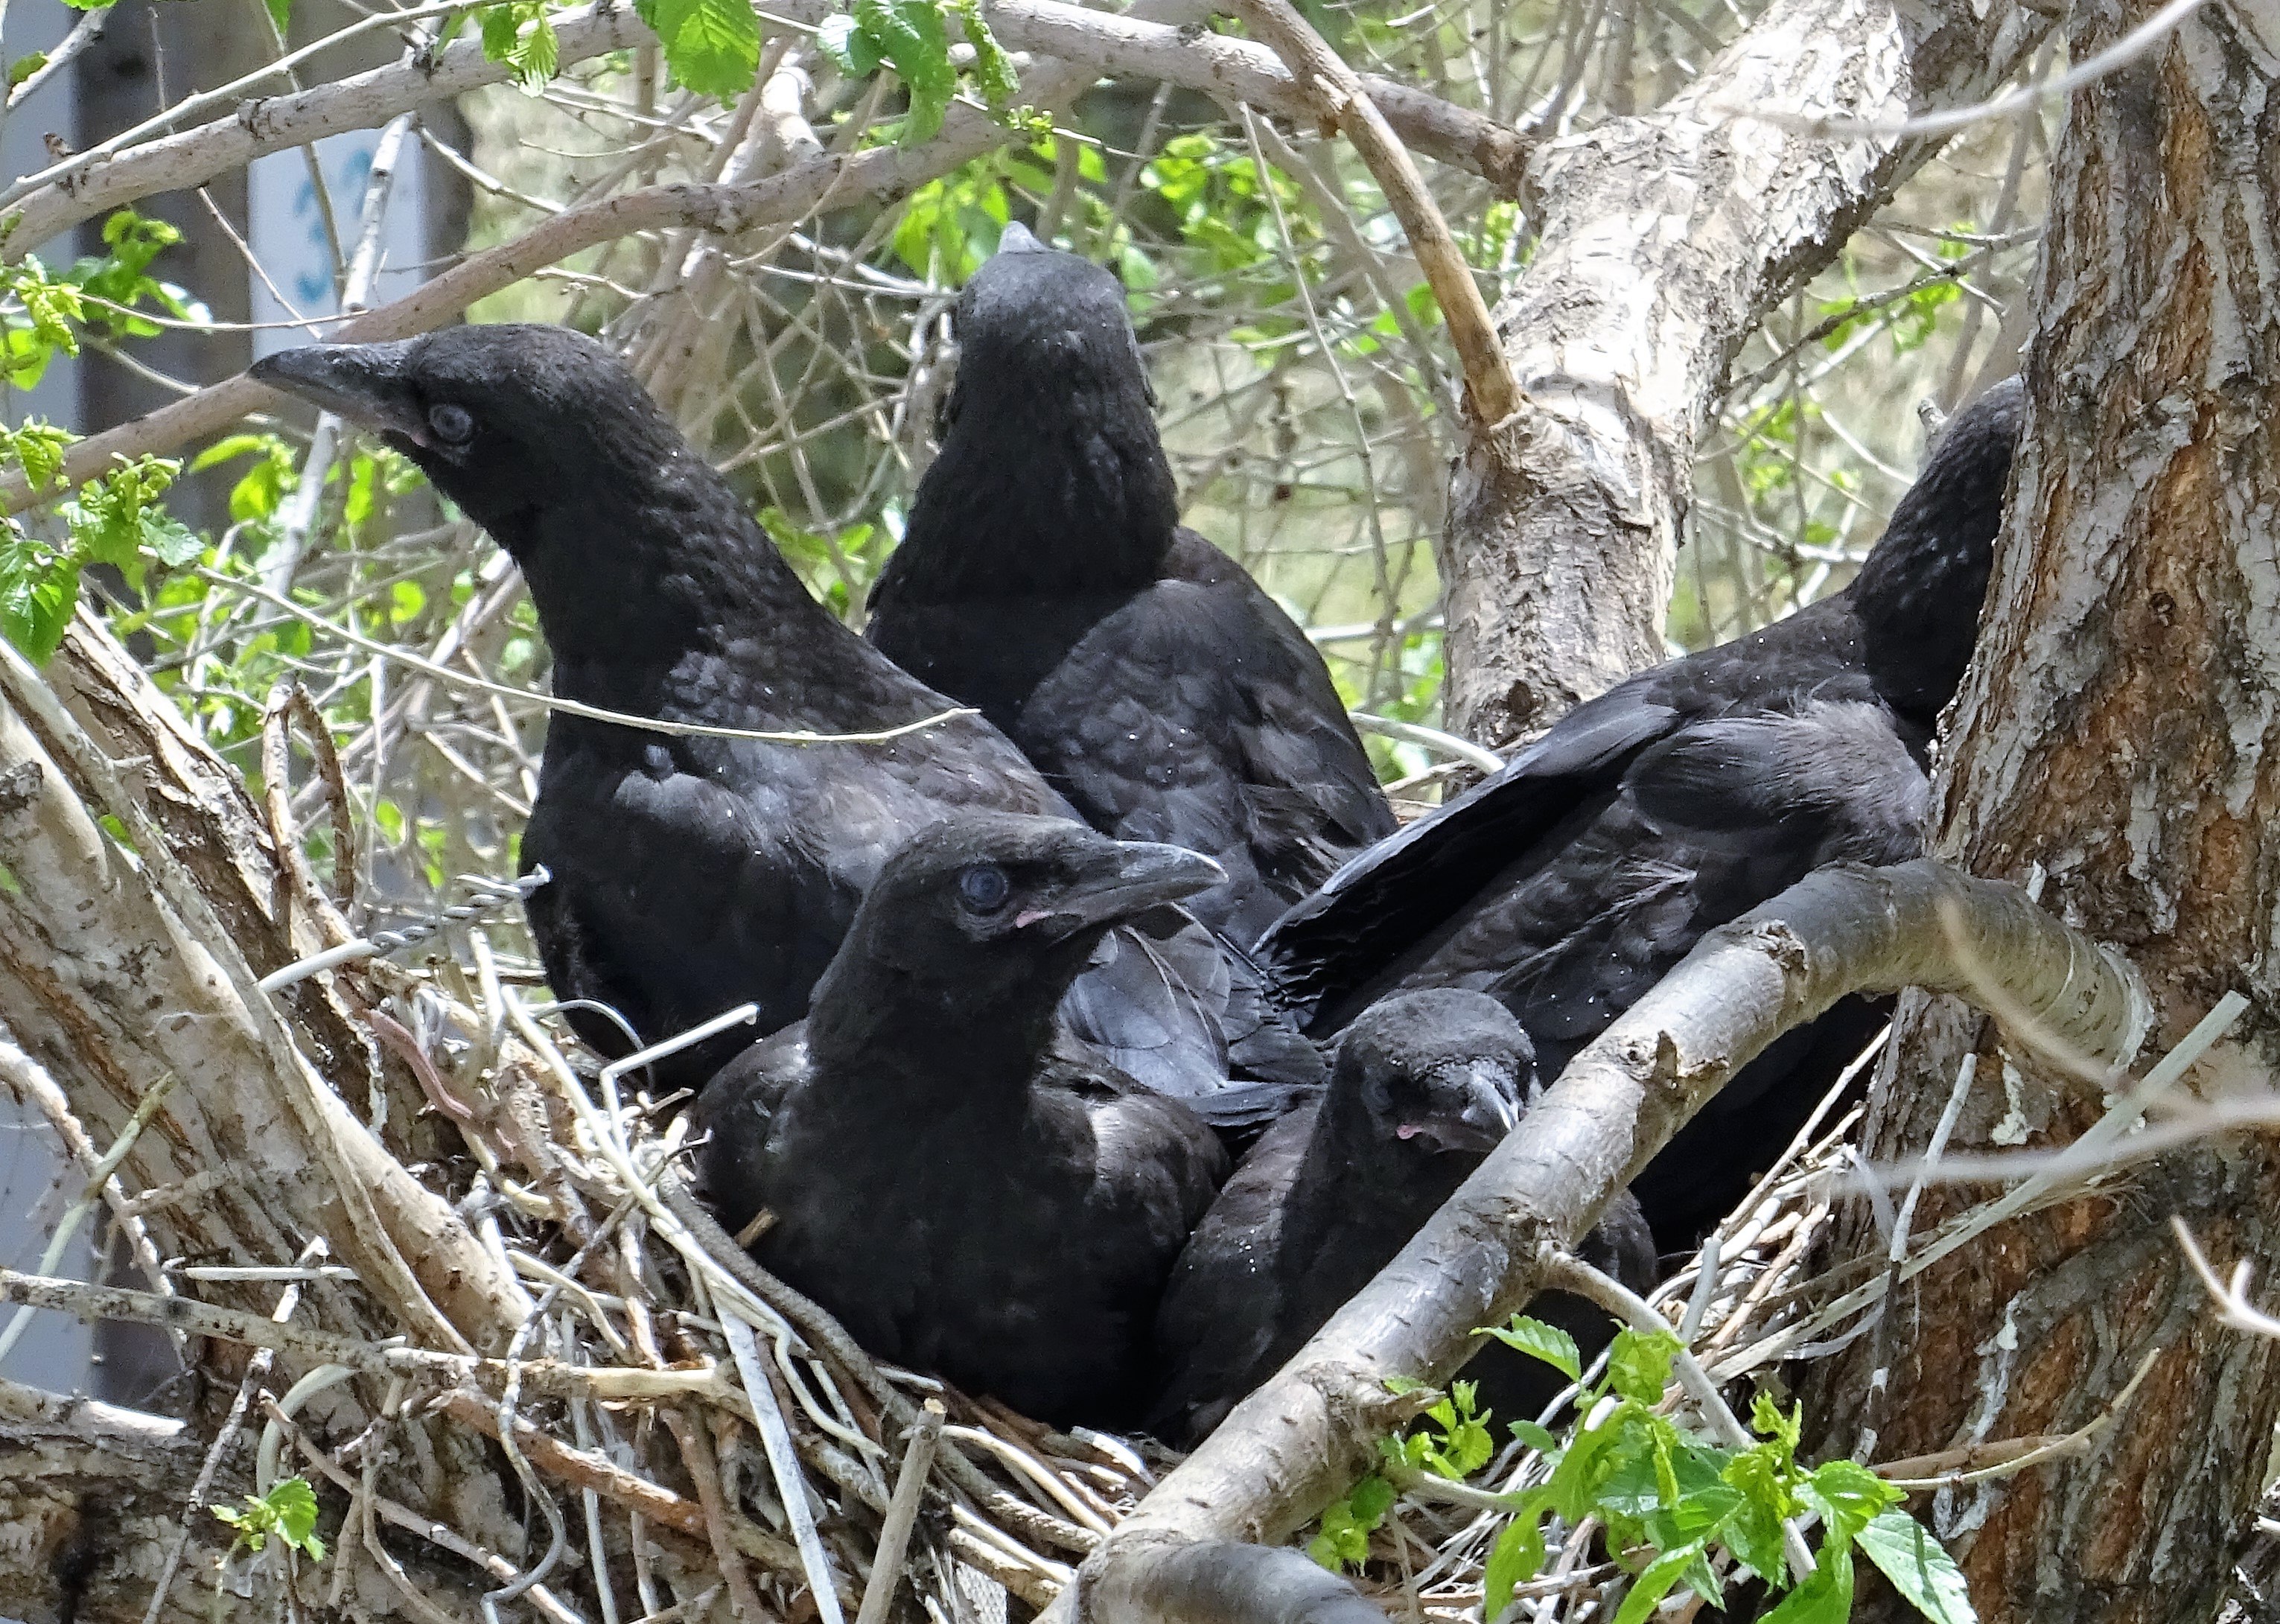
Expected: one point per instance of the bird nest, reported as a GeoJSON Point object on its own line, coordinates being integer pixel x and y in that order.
{"type": "Point", "coordinates": [730, 1443]}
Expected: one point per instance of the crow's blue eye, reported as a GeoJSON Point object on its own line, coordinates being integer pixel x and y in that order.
{"type": "Point", "coordinates": [984, 888]}
{"type": "Point", "coordinates": [452, 424]}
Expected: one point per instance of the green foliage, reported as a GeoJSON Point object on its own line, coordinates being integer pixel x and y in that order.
{"type": "Point", "coordinates": [115, 520]}
{"type": "Point", "coordinates": [43, 313]}
{"type": "Point", "coordinates": [910, 36]}
{"type": "Point", "coordinates": [1913, 318]}
{"type": "Point", "coordinates": [288, 1511]}
{"type": "Point", "coordinates": [1674, 1503]}
{"type": "Point", "coordinates": [520, 33]}
{"type": "Point", "coordinates": [24, 67]}
{"type": "Point", "coordinates": [1344, 1541]}
{"type": "Point", "coordinates": [1222, 203]}
{"type": "Point", "coordinates": [839, 565]}
{"type": "Point", "coordinates": [712, 47]}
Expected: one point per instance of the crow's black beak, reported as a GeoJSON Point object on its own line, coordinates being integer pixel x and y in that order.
{"type": "Point", "coordinates": [363, 383]}
{"type": "Point", "coordinates": [1489, 1113]}
{"type": "Point", "coordinates": [1134, 878]}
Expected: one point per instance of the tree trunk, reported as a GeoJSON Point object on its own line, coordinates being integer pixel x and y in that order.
{"type": "Point", "coordinates": [1664, 241]}
{"type": "Point", "coordinates": [2119, 729]}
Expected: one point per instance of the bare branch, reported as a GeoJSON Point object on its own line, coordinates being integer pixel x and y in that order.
{"type": "Point", "coordinates": [1335, 94]}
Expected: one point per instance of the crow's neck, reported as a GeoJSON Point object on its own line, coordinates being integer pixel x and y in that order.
{"type": "Point", "coordinates": [912, 1042]}
{"type": "Point", "coordinates": [1357, 1175]}
{"type": "Point", "coordinates": [1025, 505]}
{"type": "Point", "coordinates": [1917, 599]}
{"type": "Point", "coordinates": [671, 602]}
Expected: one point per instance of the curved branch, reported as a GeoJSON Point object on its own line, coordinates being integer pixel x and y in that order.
{"type": "Point", "coordinates": [1295, 1444]}
{"type": "Point", "coordinates": [1335, 94]}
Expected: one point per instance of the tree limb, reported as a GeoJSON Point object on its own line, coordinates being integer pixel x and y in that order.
{"type": "Point", "coordinates": [1665, 240]}
{"type": "Point", "coordinates": [1292, 1447]}
{"type": "Point", "coordinates": [1335, 94]}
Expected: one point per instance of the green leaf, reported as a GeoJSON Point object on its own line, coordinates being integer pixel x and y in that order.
{"type": "Point", "coordinates": [1517, 1556]}
{"type": "Point", "coordinates": [713, 46]}
{"type": "Point", "coordinates": [280, 13]}
{"type": "Point", "coordinates": [1347, 1525]}
{"type": "Point", "coordinates": [848, 47]}
{"type": "Point", "coordinates": [1538, 1340]}
{"type": "Point", "coordinates": [1825, 1597]}
{"type": "Point", "coordinates": [993, 69]}
{"type": "Point", "coordinates": [295, 1503]}
{"type": "Point", "coordinates": [1638, 1364]}
{"type": "Point", "coordinates": [910, 34]}
{"type": "Point", "coordinates": [1535, 1435]}
{"type": "Point", "coordinates": [24, 67]}
{"type": "Point", "coordinates": [38, 589]}
{"type": "Point", "coordinates": [1918, 1567]}
{"type": "Point", "coordinates": [1648, 1589]}
{"type": "Point", "coordinates": [38, 448]}
{"type": "Point", "coordinates": [1848, 1496]}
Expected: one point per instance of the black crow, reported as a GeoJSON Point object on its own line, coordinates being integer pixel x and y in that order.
{"type": "Point", "coordinates": [1044, 577]}
{"type": "Point", "coordinates": [1568, 884]}
{"type": "Point", "coordinates": [964, 1189]}
{"type": "Point", "coordinates": [692, 874]}
{"type": "Point", "coordinates": [1424, 1085]}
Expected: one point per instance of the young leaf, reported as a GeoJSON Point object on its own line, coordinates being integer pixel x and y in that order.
{"type": "Point", "coordinates": [1548, 1342]}
{"type": "Point", "coordinates": [1648, 1589]}
{"type": "Point", "coordinates": [713, 46]}
{"type": "Point", "coordinates": [1918, 1568]}
{"type": "Point", "coordinates": [1848, 1496]}
{"type": "Point", "coordinates": [38, 589]}
{"type": "Point", "coordinates": [280, 13]}
{"type": "Point", "coordinates": [1638, 1364]}
{"type": "Point", "coordinates": [1517, 1556]}
{"type": "Point", "coordinates": [910, 34]}
{"type": "Point", "coordinates": [993, 69]}
{"type": "Point", "coordinates": [1535, 1435]}
{"type": "Point", "coordinates": [1825, 1597]}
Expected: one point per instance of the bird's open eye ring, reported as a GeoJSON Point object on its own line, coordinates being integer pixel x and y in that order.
{"type": "Point", "coordinates": [984, 888]}
{"type": "Point", "coordinates": [453, 425]}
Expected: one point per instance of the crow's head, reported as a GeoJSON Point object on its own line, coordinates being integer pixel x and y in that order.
{"type": "Point", "coordinates": [1435, 1071]}
{"type": "Point", "coordinates": [1035, 320]}
{"type": "Point", "coordinates": [504, 419]}
{"type": "Point", "coordinates": [999, 910]}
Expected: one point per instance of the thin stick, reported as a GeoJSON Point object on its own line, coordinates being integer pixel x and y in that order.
{"type": "Point", "coordinates": [902, 1515]}
{"type": "Point", "coordinates": [97, 1177]}
{"type": "Point", "coordinates": [791, 1482]}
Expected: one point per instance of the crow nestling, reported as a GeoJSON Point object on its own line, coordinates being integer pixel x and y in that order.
{"type": "Point", "coordinates": [1425, 1084]}
{"type": "Point", "coordinates": [1570, 883]}
{"type": "Point", "coordinates": [964, 1189]}
{"type": "Point", "coordinates": [1044, 577]}
{"type": "Point", "coordinates": [691, 873]}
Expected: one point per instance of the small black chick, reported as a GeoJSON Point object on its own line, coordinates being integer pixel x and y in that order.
{"type": "Point", "coordinates": [964, 1190]}
{"type": "Point", "coordinates": [692, 874]}
{"type": "Point", "coordinates": [1574, 880]}
{"type": "Point", "coordinates": [1044, 577]}
{"type": "Point", "coordinates": [1424, 1085]}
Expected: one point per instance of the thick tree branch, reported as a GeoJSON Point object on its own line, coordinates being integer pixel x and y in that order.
{"type": "Point", "coordinates": [1665, 240]}
{"type": "Point", "coordinates": [115, 973]}
{"type": "Point", "coordinates": [1295, 1444]}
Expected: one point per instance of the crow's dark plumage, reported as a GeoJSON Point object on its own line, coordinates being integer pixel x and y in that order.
{"type": "Point", "coordinates": [1424, 1085]}
{"type": "Point", "coordinates": [1568, 884]}
{"type": "Point", "coordinates": [965, 1192]}
{"type": "Point", "coordinates": [1044, 577]}
{"type": "Point", "coordinates": [692, 874]}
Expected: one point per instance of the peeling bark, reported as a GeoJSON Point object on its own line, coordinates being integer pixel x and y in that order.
{"type": "Point", "coordinates": [2121, 728]}
{"type": "Point", "coordinates": [1665, 240]}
